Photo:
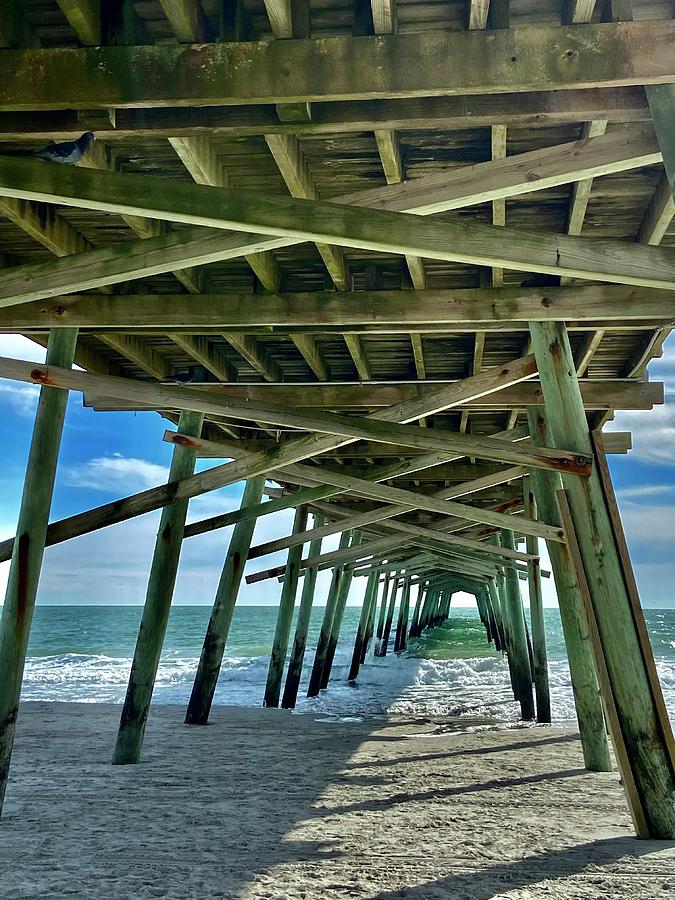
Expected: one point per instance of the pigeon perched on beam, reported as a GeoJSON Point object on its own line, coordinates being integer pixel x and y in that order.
{"type": "Point", "coordinates": [67, 152]}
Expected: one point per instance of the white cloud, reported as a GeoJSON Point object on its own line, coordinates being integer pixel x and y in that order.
{"type": "Point", "coordinates": [19, 347]}
{"type": "Point", "coordinates": [646, 490]}
{"type": "Point", "coordinates": [21, 398]}
{"type": "Point", "coordinates": [116, 473]}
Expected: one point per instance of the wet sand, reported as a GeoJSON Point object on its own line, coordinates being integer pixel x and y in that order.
{"type": "Point", "coordinates": [264, 804]}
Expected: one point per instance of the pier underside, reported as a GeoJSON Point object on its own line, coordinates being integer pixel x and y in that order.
{"type": "Point", "coordinates": [394, 266]}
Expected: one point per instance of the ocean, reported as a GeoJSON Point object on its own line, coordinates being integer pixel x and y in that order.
{"type": "Point", "coordinates": [83, 653]}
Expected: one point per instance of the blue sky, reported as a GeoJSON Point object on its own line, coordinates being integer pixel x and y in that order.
{"type": "Point", "coordinates": [105, 456]}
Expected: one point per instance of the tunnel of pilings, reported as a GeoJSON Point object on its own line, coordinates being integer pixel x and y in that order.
{"type": "Point", "coordinates": [395, 275]}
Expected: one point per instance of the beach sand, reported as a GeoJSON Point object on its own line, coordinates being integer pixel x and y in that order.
{"type": "Point", "coordinates": [264, 804]}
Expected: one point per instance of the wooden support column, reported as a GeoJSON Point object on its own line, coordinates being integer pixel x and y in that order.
{"type": "Point", "coordinates": [157, 604]}
{"type": "Point", "coordinates": [495, 604]}
{"type": "Point", "coordinates": [218, 628]}
{"type": "Point", "coordinates": [585, 688]}
{"type": "Point", "coordinates": [327, 623]}
{"type": "Point", "coordinates": [403, 613]}
{"type": "Point", "coordinates": [285, 616]}
{"type": "Point", "coordinates": [383, 606]}
{"type": "Point", "coordinates": [521, 662]}
{"type": "Point", "coordinates": [31, 532]}
{"type": "Point", "coordinates": [642, 729]}
{"type": "Point", "coordinates": [540, 661]}
{"type": "Point", "coordinates": [294, 674]}
{"type": "Point", "coordinates": [371, 621]}
{"type": "Point", "coordinates": [386, 631]}
{"type": "Point", "coordinates": [414, 624]}
{"type": "Point", "coordinates": [369, 599]}
{"type": "Point", "coordinates": [343, 595]}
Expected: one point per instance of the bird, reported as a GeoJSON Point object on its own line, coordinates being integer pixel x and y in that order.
{"type": "Point", "coordinates": [66, 152]}
{"type": "Point", "coordinates": [192, 375]}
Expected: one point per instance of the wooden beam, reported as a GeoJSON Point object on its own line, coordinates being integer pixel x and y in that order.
{"type": "Point", "coordinates": [200, 158]}
{"type": "Point", "coordinates": [596, 395]}
{"type": "Point", "coordinates": [478, 13]}
{"type": "Point", "coordinates": [206, 355]}
{"type": "Point", "coordinates": [498, 144]}
{"type": "Point", "coordinates": [164, 396]}
{"type": "Point", "coordinates": [298, 220]}
{"type": "Point", "coordinates": [187, 20]}
{"type": "Point", "coordinates": [396, 65]}
{"type": "Point", "coordinates": [659, 214]}
{"type": "Point", "coordinates": [294, 170]}
{"type": "Point", "coordinates": [308, 349]}
{"type": "Point", "coordinates": [504, 177]}
{"type": "Point", "coordinates": [84, 17]}
{"type": "Point", "coordinates": [246, 345]}
{"type": "Point", "coordinates": [617, 105]}
{"type": "Point", "coordinates": [138, 352]}
{"type": "Point", "coordinates": [255, 463]}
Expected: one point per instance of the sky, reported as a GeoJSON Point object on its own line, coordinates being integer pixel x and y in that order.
{"type": "Point", "coordinates": [106, 455]}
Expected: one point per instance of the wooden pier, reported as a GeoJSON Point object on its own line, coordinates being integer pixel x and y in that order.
{"type": "Point", "coordinates": [395, 265]}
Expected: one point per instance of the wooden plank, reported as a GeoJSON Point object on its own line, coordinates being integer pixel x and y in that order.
{"type": "Point", "coordinates": [139, 353]}
{"type": "Point", "coordinates": [396, 65]}
{"type": "Point", "coordinates": [26, 565]}
{"type": "Point", "coordinates": [498, 144]}
{"type": "Point", "coordinates": [301, 219]}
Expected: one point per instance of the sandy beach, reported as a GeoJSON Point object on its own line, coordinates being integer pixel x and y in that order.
{"type": "Point", "coordinates": [264, 804]}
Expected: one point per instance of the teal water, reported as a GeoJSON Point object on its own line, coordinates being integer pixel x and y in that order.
{"type": "Point", "coordinates": [83, 653]}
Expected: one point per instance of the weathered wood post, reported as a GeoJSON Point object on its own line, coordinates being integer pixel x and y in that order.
{"type": "Point", "coordinates": [371, 624]}
{"type": "Point", "coordinates": [29, 544]}
{"type": "Point", "coordinates": [218, 628]}
{"type": "Point", "coordinates": [383, 606]}
{"type": "Point", "coordinates": [402, 623]}
{"type": "Point", "coordinates": [295, 665]}
{"type": "Point", "coordinates": [285, 615]}
{"type": "Point", "coordinates": [157, 607]}
{"type": "Point", "coordinates": [369, 599]}
{"type": "Point", "coordinates": [643, 731]}
{"type": "Point", "coordinates": [540, 661]}
{"type": "Point", "coordinates": [521, 661]}
{"type": "Point", "coordinates": [327, 623]}
{"type": "Point", "coordinates": [340, 606]}
{"type": "Point", "coordinates": [414, 624]}
{"type": "Point", "coordinates": [585, 688]}
{"type": "Point", "coordinates": [386, 631]}
{"type": "Point", "coordinates": [493, 591]}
